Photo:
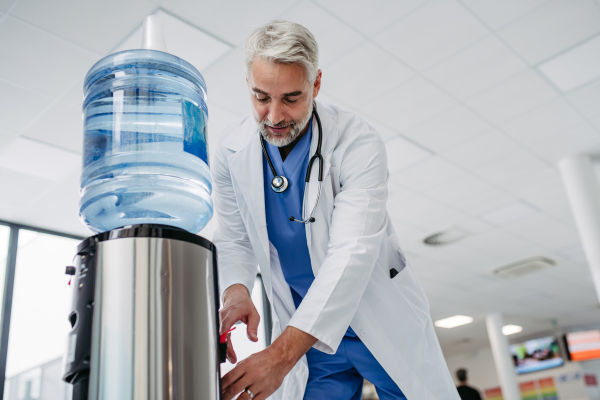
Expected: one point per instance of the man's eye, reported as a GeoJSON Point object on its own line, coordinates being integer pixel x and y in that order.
{"type": "Point", "coordinates": [262, 99]}
{"type": "Point", "coordinates": [291, 101]}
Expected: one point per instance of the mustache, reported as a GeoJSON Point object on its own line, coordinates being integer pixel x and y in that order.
{"type": "Point", "coordinates": [279, 125]}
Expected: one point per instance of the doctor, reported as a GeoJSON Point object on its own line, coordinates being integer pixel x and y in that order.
{"type": "Point", "coordinates": [346, 304]}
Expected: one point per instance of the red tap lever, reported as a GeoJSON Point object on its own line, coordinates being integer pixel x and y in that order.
{"type": "Point", "coordinates": [223, 337]}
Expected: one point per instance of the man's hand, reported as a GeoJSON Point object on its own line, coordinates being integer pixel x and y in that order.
{"type": "Point", "coordinates": [262, 373]}
{"type": "Point", "coordinates": [238, 306]}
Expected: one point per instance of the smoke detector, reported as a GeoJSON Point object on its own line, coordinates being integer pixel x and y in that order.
{"type": "Point", "coordinates": [523, 267]}
{"type": "Point", "coordinates": [448, 236]}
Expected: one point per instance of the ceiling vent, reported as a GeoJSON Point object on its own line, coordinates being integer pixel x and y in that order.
{"type": "Point", "coordinates": [524, 267]}
{"type": "Point", "coordinates": [448, 236]}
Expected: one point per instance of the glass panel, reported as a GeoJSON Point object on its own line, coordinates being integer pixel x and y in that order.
{"type": "Point", "coordinates": [39, 318]}
{"type": "Point", "coordinates": [242, 345]}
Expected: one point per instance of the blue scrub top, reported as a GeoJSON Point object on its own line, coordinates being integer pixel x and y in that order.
{"type": "Point", "coordinates": [288, 237]}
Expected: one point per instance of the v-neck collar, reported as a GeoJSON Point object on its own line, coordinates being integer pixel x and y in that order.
{"type": "Point", "coordinates": [297, 156]}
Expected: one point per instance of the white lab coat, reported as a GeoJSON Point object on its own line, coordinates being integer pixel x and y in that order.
{"type": "Point", "coordinates": [352, 248]}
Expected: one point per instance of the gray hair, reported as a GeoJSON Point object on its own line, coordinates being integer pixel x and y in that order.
{"type": "Point", "coordinates": [284, 42]}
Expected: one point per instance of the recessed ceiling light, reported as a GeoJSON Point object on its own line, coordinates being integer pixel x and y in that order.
{"type": "Point", "coordinates": [511, 329]}
{"type": "Point", "coordinates": [448, 236]}
{"type": "Point", "coordinates": [453, 322]}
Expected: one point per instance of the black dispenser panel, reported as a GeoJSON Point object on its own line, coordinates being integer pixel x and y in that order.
{"type": "Point", "coordinates": [77, 357]}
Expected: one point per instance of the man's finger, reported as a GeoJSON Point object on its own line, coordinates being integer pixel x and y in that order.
{"type": "Point", "coordinates": [236, 387]}
{"type": "Point", "coordinates": [230, 352]}
{"type": "Point", "coordinates": [229, 319]}
{"type": "Point", "coordinates": [231, 377]}
{"type": "Point", "coordinates": [252, 325]}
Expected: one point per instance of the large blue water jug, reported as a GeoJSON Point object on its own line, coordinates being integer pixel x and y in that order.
{"type": "Point", "coordinates": [145, 155]}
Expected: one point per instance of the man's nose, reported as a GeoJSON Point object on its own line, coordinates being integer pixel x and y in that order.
{"type": "Point", "coordinates": [276, 113]}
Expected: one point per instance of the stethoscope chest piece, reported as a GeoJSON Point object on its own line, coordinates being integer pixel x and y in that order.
{"type": "Point", "coordinates": [279, 184]}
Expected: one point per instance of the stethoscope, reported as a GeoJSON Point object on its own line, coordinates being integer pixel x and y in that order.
{"type": "Point", "coordinates": [280, 183]}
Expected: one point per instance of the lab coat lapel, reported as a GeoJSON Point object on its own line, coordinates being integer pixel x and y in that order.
{"type": "Point", "coordinates": [246, 166]}
{"type": "Point", "coordinates": [330, 136]}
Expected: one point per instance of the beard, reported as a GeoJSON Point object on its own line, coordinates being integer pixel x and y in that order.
{"type": "Point", "coordinates": [296, 128]}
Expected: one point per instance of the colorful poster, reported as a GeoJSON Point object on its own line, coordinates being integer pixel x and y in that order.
{"type": "Point", "coordinates": [548, 389]}
{"type": "Point", "coordinates": [528, 391]}
{"type": "Point", "coordinates": [493, 394]}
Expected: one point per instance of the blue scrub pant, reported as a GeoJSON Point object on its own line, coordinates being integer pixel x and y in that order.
{"type": "Point", "coordinates": [340, 376]}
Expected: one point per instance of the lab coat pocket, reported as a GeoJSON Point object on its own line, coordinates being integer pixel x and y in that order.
{"type": "Point", "coordinates": [409, 288]}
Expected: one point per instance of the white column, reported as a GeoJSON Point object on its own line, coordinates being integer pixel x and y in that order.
{"type": "Point", "coordinates": [502, 358]}
{"type": "Point", "coordinates": [583, 190]}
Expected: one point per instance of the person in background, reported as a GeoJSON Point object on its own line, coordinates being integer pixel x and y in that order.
{"type": "Point", "coordinates": [465, 391]}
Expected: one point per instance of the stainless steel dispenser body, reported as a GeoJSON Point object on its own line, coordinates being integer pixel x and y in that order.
{"type": "Point", "coordinates": [155, 329]}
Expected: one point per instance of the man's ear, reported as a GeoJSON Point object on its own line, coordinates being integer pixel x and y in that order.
{"type": "Point", "coordinates": [317, 84]}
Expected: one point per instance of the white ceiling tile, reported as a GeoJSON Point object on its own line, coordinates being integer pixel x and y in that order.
{"type": "Point", "coordinates": [61, 125]}
{"type": "Point", "coordinates": [411, 208]}
{"type": "Point", "coordinates": [219, 120]}
{"type": "Point", "coordinates": [74, 95]}
{"type": "Point", "coordinates": [476, 68]}
{"type": "Point", "coordinates": [183, 40]}
{"type": "Point", "coordinates": [544, 230]}
{"type": "Point", "coordinates": [552, 28]}
{"type": "Point", "coordinates": [226, 82]}
{"type": "Point", "coordinates": [6, 138]}
{"type": "Point", "coordinates": [542, 122]}
{"type": "Point", "coordinates": [401, 154]}
{"type": "Point", "coordinates": [512, 97]}
{"type": "Point", "coordinates": [20, 190]}
{"type": "Point", "coordinates": [427, 174]}
{"type": "Point", "coordinates": [578, 139]}
{"type": "Point", "coordinates": [482, 201]}
{"type": "Point", "coordinates": [57, 208]}
{"type": "Point", "coordinates": [575, 67]}
{"type": "Point", "coordinates": [386, 133]}
{"type": "Point", "coordinates": [447, 129]}
{"type": "Point", "coordinates": [371, 70]}
{"type": "Point", "coordinates": [481, 149]}
{"type": "Point", "coordinates": [432, 33]}
{"type": "Point", "coordinates": [533, 180]}
{"type": "Point", "coordinates": [370, 17]}
{"type": "Point", "coordinates": [39, 60]}
{"type": "Point", "coordinates": [230, 20]}
{"type": "Point", "coordinates": [39, 160]}
{"type": "Point", "coordinates": [511, 167]}
{"type": "Point", "coordinates": [586, 99]}
{"type": "Point", "coordinates": [6, 4]}
{"type": "Point", "coordinates": [94, 25]}
{"type": "Point", "coordinates": [496, 13]}
{"type": "Point", "coordinates": [507, 213]}
{"type": "Point", "coordinates": [333, 36]}
{"type": "Point", "coordinates": [408, 104]}
{"type": "Point", "coordinates": [465, 185]}
{"type": "Point", "coordinates": [14, 116]}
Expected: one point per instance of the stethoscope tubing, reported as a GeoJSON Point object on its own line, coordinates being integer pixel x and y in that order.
{"type": "Point", "coordinates": [283, 186]}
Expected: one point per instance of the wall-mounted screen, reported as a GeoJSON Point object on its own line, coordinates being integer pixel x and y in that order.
{"type": "Point", "coordinates": [584, 345]}
{"type": "Point", "coordinates": [536, 354]}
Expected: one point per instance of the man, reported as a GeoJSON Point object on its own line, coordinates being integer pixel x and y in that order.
{"type": "Point", "coordinates": [346, 305]}
{"type": "Point", "coordinates": [466, 392]}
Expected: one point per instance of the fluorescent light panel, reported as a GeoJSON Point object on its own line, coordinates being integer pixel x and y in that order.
{"type": "Point", "coordinates": [453, 322]}
{"type": "Point", "coordinates": [511, 329]}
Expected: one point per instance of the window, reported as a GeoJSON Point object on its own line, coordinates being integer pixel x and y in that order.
{"type": "Point", "coordinates": [38, 325]}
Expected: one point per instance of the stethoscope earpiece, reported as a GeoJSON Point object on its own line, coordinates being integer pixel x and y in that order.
{"type": "Point", "coordinates": [280, 183]}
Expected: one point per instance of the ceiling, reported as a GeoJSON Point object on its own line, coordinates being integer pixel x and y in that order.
{"type": "Point", "coordinates": [477, 102]}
